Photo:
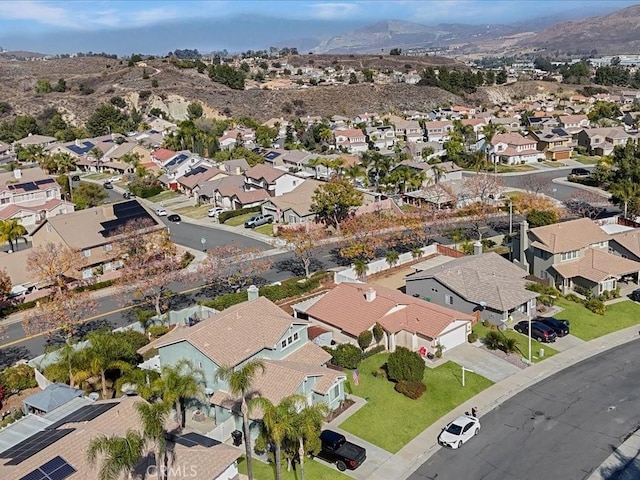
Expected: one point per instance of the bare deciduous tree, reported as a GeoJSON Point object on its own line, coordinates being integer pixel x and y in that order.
{"type": "Point", "coordinates": [303, 242]}
{"type": "Point", "coordinates": [483, 187]}
{"type": "Point", "coordinates": [53, 264]}
{"type": "Point", "coordinates": [585, 203]}
{"type": "Point", "coordinates": [232, 266]}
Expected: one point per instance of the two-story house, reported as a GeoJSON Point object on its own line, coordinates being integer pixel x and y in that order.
{"type": "Point", "coordinates": [409, 130]}
{"type": "Point", "coordinates": [572, 255]}
{"type": "Point", "coordinates": [191, 182]}
{"type": "Point", "coordinates": [352, 139]}
{"type": "Point", "coordinates": [555, 143]}
{"type": "Point", "coordinates": [92, 234]}
{"type": "Point", "coordinates": [180, 164]}
{"type": "Point", "coordinates": [30, 196]}
{"type": "Point", "coordinates": [382, 137]}
{"type": "Point", "coordinates": [513, 148]}
{"type": "Point", "coordinates": [237, 136]}
{"type": "Point", "coordinates": [252, 330]}
{"type": "Point", "coordinates": [272, 180]}
{"type": "Point", "coordinates": [573, 123]}
{"type": "Point", "coordinates": [602, 141]}
{"type": "Point", "coordinates": [438, 130]}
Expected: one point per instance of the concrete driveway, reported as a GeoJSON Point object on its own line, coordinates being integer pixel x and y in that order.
{"type": "Point", "coordinates": [481, 362]}
{"type": "Point", "coordinates": [376, 456]}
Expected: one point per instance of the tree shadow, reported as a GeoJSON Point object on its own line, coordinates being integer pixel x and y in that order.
{"type": "Point", "coordinates": [296, 267]}
{"type": "Point", "coordinates": [625, 467]}
{"type": "Point", "coordinates": [10, 355]}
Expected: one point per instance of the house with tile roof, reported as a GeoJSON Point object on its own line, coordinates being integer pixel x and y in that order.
{"type": "Point", "coordinates": [295, 206]}
{"type": "Point", "coordinates": [273, 181]}
{"type": "Point", "coordinates": [626, 244]}
{"type": "Point", "coordinates": [191, 182]}
{"type": "Point", "coordinates": [409, 130]}
{"type": "Point", "coordinates": [486, 285]}
{"type": "Point", "coordinates": [91, 233]}
{"type": "Point", "coordinates": [30, 196]}
{"type": "Point", "coordinates": [63, 442]}
{"type": "Point", "coordinates": [513, 148]}
{"type": "Point", "coordinates": [556, 143]}
{"type": "Point", "coordinates": [573, 123]}
{"type": "Point", "coordinates": [573, 254]}
{"type": "Point", "coordinates": [602, 141]}
{"type": "Point", "coordinates": [351, 139]}
{"type": "Point", "coordinates": [351, 308]}
{"type": "Point", "coordinates": [255, 329]}
{"type": "Point", "coordinates": [438, 130]}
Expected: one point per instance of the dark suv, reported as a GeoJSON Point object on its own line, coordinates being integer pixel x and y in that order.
{"type": "Point", "coordinates": [539, 331]}
{"type": "Point", "coordinates": [561, 327]}
{"type": "Point", "coordinates": [579, 172]}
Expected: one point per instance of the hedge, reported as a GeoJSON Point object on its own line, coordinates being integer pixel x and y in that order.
{"type": "Point", "coordinates": [94, 286]}
{"type": "Point", "coordinates": [288, 289]}
{"type": "Point", "coordinates": [145, 192]}
{"type": "Point", "coordinates": [17, 308]}
{"type": "Point", "coordinates": [224, 216]}
{"type": "Point", "coordinates": [373, 351]}
{"type": "Point", "coordinates": [413, 390]}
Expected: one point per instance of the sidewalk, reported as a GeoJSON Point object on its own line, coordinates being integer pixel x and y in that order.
{"type": "Point", "coordinates": [623, 463]}
{"type": "Point", "coordinates": [416, 452]}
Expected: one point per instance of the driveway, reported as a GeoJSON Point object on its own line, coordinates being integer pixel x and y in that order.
{"type": "Point", "coordinates": [481, 362]}
{"type": "Point", "coordinates": [376, 456]}
{"type": "Point", "coordinates": [566, 342]}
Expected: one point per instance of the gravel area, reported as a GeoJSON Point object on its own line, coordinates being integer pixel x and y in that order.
{"type": "Point", "coordinates": [513, 358]}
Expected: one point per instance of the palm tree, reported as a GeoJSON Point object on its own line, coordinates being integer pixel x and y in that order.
{"type": "Point", "coordinates": [11, 231]}
{"type": "Point", "coordinates": [67, 364]}
{"type": "Point", "coordinates": [307, 425]}
{"type": "Point", "coordinates": [355, 172]}
{"type": "Point", "coordinates": [360, 267]}
{"type": "Point", "coordinates": [392, 257]}
{"type": "Point", "coordinates": [120, 455]}
{"type": "Point", "coordinates": [154, 418]}
{"type": "Point", "coordinates": [624, 192]}
{"type": "Point", "coordinates": [105, 352]}
{"type": "Point", "coordinates": [178, 383]}
{"type": "Point", "coordinates": [438, 172]}
{"type": "Point", "coordinates": [240, 384]}
{"type": "Point", "coordinates": [277, 422]}
{"type": "Point", "coordinates": [64, 162]}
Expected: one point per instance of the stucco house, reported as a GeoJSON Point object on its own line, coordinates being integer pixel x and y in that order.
{"type": "Point", "coordinates": [255, 329]}
{"type": "Point", "coordinates": [438, 130]}
{"type": "Point", "coordinates": [351, 308]}
{"type": "Point", "coordinates": [602, 141]}
{"type": "Point", "coordinates": [556, 143]}
{"type": "Point", "coordinates": [272, 180]}
{"type": "Point", "coordinates": [513, 148]}
{"type": "Point", "coordinates": [352, 139]}
{"type": "Point", "coordinates": [572, 255]}
{"type": "Point", "coordinates": [295, 206]}
{"type": "Point", "coordinates": [486, 285]}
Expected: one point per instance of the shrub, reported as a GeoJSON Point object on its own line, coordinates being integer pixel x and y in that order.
{"type": "Point", "coordinates": [472, 337]}
{"type": "Point", "coordinates": [144, 94]}
{"type": "Point", "coordinates": [373, 351]}
{"type": "Point", "coordinates": [596, 306]}
{"type": "Point", "coordinates": [509, 345]}
{"type": "Point", "coordinates": [18, 378]}
{"type": "Point", "coordinates": [616, 292]}
{"type": "Point", "coordinates": [364, 339]}
{"type": "Point", "coordinates": [3, 394]}
{"type": "Point", "coordinates": [224, 216]}
{"type": "Point", "coordinates": [347, 355]}
{"type": "Point", "coordinates": [539, 218]}
{"type": "Point", "coordinates": [133, 338]}
{"type": "Point", "coordinates": [187, 258]}
{"type": "Point", "coordinates": [413, 390]}
{"type": "Point", "coordinates": [145, 191]}
{"type": "Point", "coordinates": [543, 289]}
{"type": "Point", "coordinates": [379, 373]}
{"type": "Point", "coordinates": [438, 351]}
{"type": "Point", "coordinates": [95, 286]}
{"type": "Point", "coordinates": [158, 330]}
{"type": "Point", "coordinates": [403, 364]}
{"type": "Point", "coordinates": [572, 297]}
{"type": "Point", "coordinates": [605, 295]}
{"type": "Point", "coordinates": [486, 323]}
{"type": "Point", "coordinates": [493, 340]}
{"type": "Point", "coordinates": [378, 332]}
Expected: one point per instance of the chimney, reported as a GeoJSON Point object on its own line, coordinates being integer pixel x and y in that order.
{"type": "Point", "coordinates": [370, 295]}
{"type": "Point", "coordinates": [107, 210]}
{"type": "Point", "coordinates": [477, 248]}
{"type": "Point", "coordinates": [17, 174]}
{"type": "Point", "coordinates": [252, 292]}
{"type": "Point", "coordinates": [524, 244]}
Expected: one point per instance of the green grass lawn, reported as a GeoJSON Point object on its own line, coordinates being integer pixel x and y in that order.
{"type": "Point", "coordinates": [522, 343]}
{"type": "Point", "coordinates": [239, 220]}
{"type": "Point", "coordinates": [587, 325]}
{"type": "Point", "coordinates": [313, 469]}
{"type": "Point", "coordinates": [585, 159]}
{"type": "Point", "coordinates": [97, 176]}
{"type": "Point", "coordinates": [555, 164]}
{"type": "Point", "coordinates": [166, 195]}
{"type": "Point", "coordinates": [390, 420]}
{"type": "Point", "coordinates": [265, 229]}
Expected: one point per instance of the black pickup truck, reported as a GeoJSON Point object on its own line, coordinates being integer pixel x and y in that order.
{"type": "Point", "coordinates": [336, 449]}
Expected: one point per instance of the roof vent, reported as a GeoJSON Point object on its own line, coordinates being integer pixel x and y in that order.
{"type": "Point", "coordinates": [370, 295]}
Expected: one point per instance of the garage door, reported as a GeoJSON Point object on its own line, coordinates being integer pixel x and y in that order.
{"type": "Point", "coordinates": [453, 338]}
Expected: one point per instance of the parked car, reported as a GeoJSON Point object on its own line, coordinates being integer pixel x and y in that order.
{"type": "Point", "coordinates": [174, 217]}
{"type": "Point", "coordinates": [128, 195]}
{"type": "Point", "coordinates": [580, 172]}
{"type": "Point", "coordinates": [561, 327]}
{"type": "Point", "coordinates": [115, 179]}
{"type": "Point", "coordinates": [539, 331]}
{"type": "Point", "coordinates": [460, 431]}
{"type": "Point", "coordinates": [336, 449]}
{"type": "Point", "coordinates": [215, 211]}
{"type": "Point", "coordinates": [108, 185]}
{"type": "Point", "coordinates": [258, 220]}
{"type": "Point", "coordinates": [635, 295]}
{"type": "Point", "coordinates": [75, 178]}
{"type": "Point", "coordinates": [161, 212]}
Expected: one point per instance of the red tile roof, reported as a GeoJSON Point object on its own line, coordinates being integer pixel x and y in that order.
{"type": "Point", "coordinates": [163, 154]}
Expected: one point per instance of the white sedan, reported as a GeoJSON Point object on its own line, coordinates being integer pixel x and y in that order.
{"type": "Point", "coordinates": [215, 211]}
{"type": "Point", "coordinates": [161, 212]}
{"type": "Point", "coordinates": [460, 431]}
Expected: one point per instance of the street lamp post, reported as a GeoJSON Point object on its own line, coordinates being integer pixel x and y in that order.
{"type": "Point", "coordinates": [529, 338]}
{"type": "Point", "coordinates": [510, 218]}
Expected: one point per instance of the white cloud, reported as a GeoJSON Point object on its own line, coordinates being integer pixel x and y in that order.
{"type": "Point", "coordinates": [36, 11]}
{"type": "Point", "coordinates": [332, 10]}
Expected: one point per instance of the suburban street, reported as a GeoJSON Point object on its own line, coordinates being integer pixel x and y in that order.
{"type": "Point", "coordinates": [561, 428]}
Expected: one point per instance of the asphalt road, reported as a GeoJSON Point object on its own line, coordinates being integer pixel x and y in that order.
{"type": "Point", "coordinates": [561, 428]}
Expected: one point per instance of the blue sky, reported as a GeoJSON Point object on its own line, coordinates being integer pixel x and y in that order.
{"type": "Point", "coordinates": [40, 16]}
{"type": "Point", "coordinates": [156, 26]}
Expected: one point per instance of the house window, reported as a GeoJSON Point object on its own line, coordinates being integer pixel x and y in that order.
{"type": "Point", "coordinates": [289, 340]}
{"type": "Point", "coordinates": [86, 253]}
{"type": "Point", "coordinates": [108, 247]}
{"type": "Point", "coordinates": [283, 344]}
{"type": "Point", "coordinates": [569, 256]}
{"type": "Point", "coordinates": [295, 337]}
{"type": "Point", "coordinates": [608, 285]}
{"type": "Point", "coordinates": [599, 244]}
{"type": "Point", "coordinates": [448, 299]}
{"type": "Point", "coordinates": [435, 290]}
{"type": "Point", "coordinates": [544, 274]}
{"type": "Point", "coordinates": [49, 194]}
{"type": "Point", "coordinates": [335, 392]}
{"type": "Point", "coordinates": [87, 273]}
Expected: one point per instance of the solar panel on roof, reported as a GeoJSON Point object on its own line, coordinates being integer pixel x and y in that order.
{"type": "Point", "coordinates": [55, 469]}
{"type": "Point", "coordinates": [272, 155]}
{"type": "Point", "coordinates": [193, 439]}
{"type": "Point", "coordinates": [84, 414]}
{"type": "Point", "coordinates": [32, 445]}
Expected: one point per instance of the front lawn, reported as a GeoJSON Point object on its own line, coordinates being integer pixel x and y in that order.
{"type": "Point", "coordinates": [239, 220]}
{"type": "Point", "coordinates": [313, 469]}
{"type": "Point", "coordinates": [195, 211]}
{"type": "Point", "coordinates": [266, 229]}
{"type": "Point", "coordinates": [554, 164]}
{"type": "Point", "coordinates": [585, 159]}
{"type": "Point", "coordinates": [522, 343]}
{"type": "Point", "coordinates": [587, 325]}
{"type": "Point", "coordinates": [391, 420]}
{"type": "Point", "coordinates": [166, 195]}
